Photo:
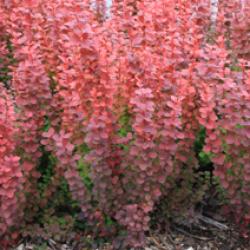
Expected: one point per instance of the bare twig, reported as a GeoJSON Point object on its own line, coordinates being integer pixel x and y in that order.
{"type": "Point", "coordinates": [191, 235]}
{"type": "Point", "coordinates": [152, 239]}
{"type": "Point", "coordinates": [213, 222]}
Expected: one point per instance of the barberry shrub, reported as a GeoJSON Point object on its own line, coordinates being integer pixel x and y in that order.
{"type": "Point", "coordinates": [116, 100]}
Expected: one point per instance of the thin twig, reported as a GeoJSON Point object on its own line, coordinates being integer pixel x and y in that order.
{"type": "Point", "coordinates": [157, 243]}
{"type": "Point", "coordinates": [213, 222]}
{"type": "Point", "coordinates": [191, 235]}
{"type": "Point", "coordinates": [170, 238]}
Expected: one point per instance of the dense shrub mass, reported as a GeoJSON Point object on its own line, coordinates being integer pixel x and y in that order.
{"type": "Point", "coordinates": [108, 105]}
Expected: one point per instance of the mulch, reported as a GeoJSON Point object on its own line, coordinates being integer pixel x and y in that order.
{"type": "Point", "coordinates": [205, 234]}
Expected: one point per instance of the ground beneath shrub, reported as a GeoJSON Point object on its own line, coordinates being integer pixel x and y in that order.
{"type": "Point", "coordinates": [205, 233]}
